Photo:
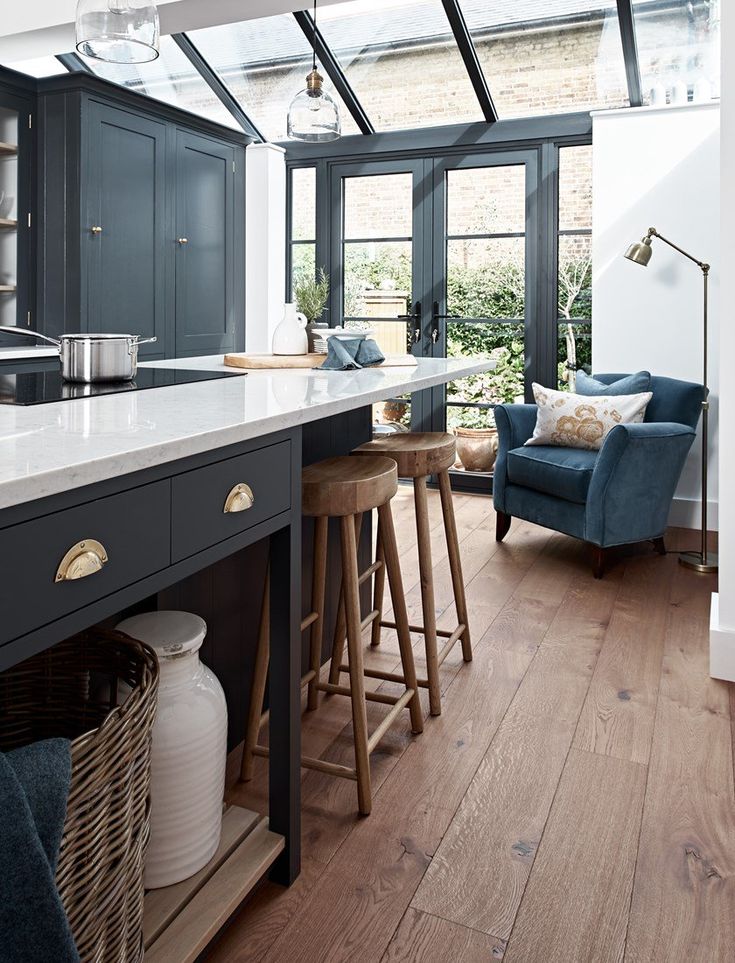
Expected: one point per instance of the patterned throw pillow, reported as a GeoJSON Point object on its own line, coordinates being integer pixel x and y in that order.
{"type": "Point", "coordinates": [578, 421]}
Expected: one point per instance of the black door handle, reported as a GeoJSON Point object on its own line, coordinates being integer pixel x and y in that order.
{"type": "Point", "coordinates": [416, 318]}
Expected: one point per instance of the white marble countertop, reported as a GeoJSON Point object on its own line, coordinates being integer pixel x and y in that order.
{"type": "Point", "coordinates": [49, 448]}
{"type": "Point", "coordinates": [28, 351]}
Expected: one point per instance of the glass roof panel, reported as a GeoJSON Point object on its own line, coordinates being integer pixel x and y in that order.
{"type": "Point", "coordinates": [401, 59]}
{"type": "Point", "coordinates": [678, 41]}
{"type": "Point", "coordinates": [549, 58]}
{"type": "Point", "coordinates": [264, 64]}
{"type": "Point", "coordinates": [37, 67]}
{"type": "Point", "coordinates": [172, 79]}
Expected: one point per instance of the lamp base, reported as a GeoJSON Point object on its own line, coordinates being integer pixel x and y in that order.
{"type": "Point", "coordinates": [698, 563]}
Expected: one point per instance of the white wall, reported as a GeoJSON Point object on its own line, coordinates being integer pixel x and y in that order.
{"type": "Point", "coordinates": [265, 243]}
{"type": "Point", "coordinates": [659, 167]}
{"type": "Point", "coordinates": [722, 623]}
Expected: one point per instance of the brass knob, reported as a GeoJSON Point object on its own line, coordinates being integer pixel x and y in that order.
{"type": "Point", "coordinates": [96, 229]}
{"type": "Point", "coordinates": [239, 499]}
{"type": "Point", "coordinates": [183, 240]}
{"type": "Point", "coordinates": [83, 559]}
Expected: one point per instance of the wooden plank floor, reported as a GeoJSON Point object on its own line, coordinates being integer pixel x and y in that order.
{"type": "Point", "coordinates": [574, 801]}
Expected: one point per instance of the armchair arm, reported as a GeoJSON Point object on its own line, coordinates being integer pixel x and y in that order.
{"type": "Point", "coordinates": [515, 424]}
{"type": "Point", "coordinates": [634, 481]}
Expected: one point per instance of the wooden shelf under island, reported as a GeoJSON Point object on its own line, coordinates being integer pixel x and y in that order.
{"type": "Point", "coordinates": [8, 149]}
{"type": "Point", "coordinates": [8, 289]}
{"type": "Point", "coordinates": [8, 223]}
{"type": "Point", "coordinates": [179, 921]}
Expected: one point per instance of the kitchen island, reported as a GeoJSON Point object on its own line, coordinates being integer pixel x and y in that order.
{"type": "Point", "coordinates": [146, 474]}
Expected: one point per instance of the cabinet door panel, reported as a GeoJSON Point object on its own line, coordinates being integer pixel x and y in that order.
{"type": "Point", "coordinates": [205, 320]}
{"type": "Point", "coordinates": [126, 199]}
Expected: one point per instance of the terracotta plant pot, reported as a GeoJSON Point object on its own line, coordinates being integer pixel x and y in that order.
{"type": "Point", "coordinates": [394, 410]}
{"type": "Point", "coordinates": [477, 448]}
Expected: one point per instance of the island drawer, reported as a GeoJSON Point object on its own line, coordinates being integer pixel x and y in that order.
{"type": "Point", "coordinates": [47, 572]}
{"type": "Point", "coordinates": [218, 501]}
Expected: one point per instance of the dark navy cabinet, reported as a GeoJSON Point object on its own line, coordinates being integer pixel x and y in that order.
{"type": "Point", "coordinates": [123, 249]}
{"type": "Point", "coordinates": [205, 231]}
{"type": "Point", "coordinates": [142, 220]}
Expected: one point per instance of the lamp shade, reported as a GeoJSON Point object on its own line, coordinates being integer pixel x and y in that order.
{"type": "Point", "coordinates": [313, 116]}
{"type": "Point", "coordinates": [640, 252]}
{"type": "Point", "coordinates": [118, 31]}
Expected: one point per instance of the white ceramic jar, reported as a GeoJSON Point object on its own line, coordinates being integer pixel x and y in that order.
{"type": "Point", "coordinates": [290, 336]}
{"type": "Point", "coordinates": [189, 749]}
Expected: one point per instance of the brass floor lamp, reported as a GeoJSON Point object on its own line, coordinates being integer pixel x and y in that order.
{"type": "Point", "coordinates": [640, 253]}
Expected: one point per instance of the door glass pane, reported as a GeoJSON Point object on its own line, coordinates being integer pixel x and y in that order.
{"type": "Point", "coordinates": [172, 79]}
{"type": "Point", "coordinates": [678, 43]}
{"type": "Point", "coordinates": [548, 58]}
{"type": "Point", "coordinates": [486, 200]}
{"type": "Point", "coordinates": [303, 263]}
{"type": "Point", "coordinates": [303, 204]}
{"type": "Point", "coordinates": [377, 279]}
{"type": "Point", "coordinates": [575, 188]}
{"type": "Point", "coordinates": [264, 64]}
{"type": "Point", "coordinates": [402, 61]}
{"type": "Point", "coordinates": [486, 278]}
{"type": "Point", "coordinates": [470, 400]}
{"type": "Point", "coordinates": [378, 207]}
{"type": "Point", "coordinates": [575, 264]}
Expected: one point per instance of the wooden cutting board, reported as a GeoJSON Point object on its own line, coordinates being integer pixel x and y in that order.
{"type": "Point", "coordinates": [253, 361]}
{"type": "Point", "coordinates": [274, 360]}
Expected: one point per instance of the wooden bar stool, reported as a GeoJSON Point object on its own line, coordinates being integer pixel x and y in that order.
{"type": "Point", "coordinates": [344, 488]}
{"type": "Point", "coordinates": [418, 455]}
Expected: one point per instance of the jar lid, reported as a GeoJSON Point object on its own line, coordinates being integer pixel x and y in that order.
{"type": "Point", "coordinates": [170, 634]}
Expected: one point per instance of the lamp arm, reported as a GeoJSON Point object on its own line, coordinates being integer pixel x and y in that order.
{"type": "Point", "coordinates": [652, 232]}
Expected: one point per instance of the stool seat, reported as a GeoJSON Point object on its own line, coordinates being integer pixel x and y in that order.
{"type": "Point", "coordinates": [416, 453]}
{"type": "Point", "coordinates": [344, 485]}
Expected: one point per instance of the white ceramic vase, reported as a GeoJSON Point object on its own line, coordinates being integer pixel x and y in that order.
{"type": "Point", "coordinates": [290, 336]}
{"type": "Point", "coordinates": [189, 749]}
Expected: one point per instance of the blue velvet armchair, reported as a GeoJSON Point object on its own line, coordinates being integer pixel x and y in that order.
{"type": "Point", "coordinates": [615, 496]}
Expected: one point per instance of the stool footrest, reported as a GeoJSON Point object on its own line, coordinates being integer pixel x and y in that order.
{"type": "Point", "coordinates": [389, 719]}
{"type": "Point", "coordinates": [308, 762]}
{"type": "Point", "coordinates": [383, 697]}
{"type": "Point", "coordinates": [420, 630]}
{"type": "Point", "coordinates": [305, 680]}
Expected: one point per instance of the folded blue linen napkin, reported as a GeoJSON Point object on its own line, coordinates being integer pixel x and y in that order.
{"type": "Point", "coordinates": [345, 354]}
{"type": "Point", "coordinates": [34, 786]}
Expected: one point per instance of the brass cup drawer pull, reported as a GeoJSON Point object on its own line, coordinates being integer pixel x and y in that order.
{"type": "Point", "coordinates": [83, 559]}
{"type": "Point", "coordinates": [240, 499]}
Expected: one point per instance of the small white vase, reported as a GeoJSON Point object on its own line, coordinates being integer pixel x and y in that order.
{"type": "Point", "coordinates": [290, 336]}
{"type": "Point", "coordinates": [189, 751]}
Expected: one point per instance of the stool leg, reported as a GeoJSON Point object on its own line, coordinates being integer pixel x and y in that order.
{"type": "Point", "coordinates": [350, 580]}
{"type": "Point", "coordinates": [427, 593]}
{"type": "Point", "coordinates": [318, 586]}
{"type": "Point", "coordinates": [379, 588]}
{"type": "Point", "coordinates": [455, 561]}
{"type": "Point", "coordinates": [390, 550]}
{"type": "Point", "coordinates": [340, 627]}
{"type": "Point", "coordinates": [257, 689]}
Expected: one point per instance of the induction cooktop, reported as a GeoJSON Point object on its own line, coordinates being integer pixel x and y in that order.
{"type": "Point", "coordinates": [33, 386]}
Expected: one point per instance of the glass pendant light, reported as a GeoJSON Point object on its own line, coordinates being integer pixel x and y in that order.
{"type": "Point", "coordinates": [118, 31]}
{"type": "Point", "coordinates": [313, 116]}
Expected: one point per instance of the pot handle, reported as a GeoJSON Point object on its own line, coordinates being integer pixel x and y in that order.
{"type": "Point", "coordinates": [23, 332]}
{"type": "Point", "coordinates": [134, 341]}
{"type": "Point", "coordinates": [145, 340]}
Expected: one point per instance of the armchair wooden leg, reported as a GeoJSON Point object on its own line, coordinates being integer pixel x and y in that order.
{"type": "Point", "coordinates": [502, 525]}
{"type": "Point", "coordinates": [660, 545]}
{"type": "Point", "coordinates": [599, 556]}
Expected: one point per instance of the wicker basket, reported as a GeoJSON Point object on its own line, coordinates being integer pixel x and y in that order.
{"type": "Point", "coordinates": [71, 690]}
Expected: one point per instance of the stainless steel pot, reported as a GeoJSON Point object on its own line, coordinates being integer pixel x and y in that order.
{"type": "Point", "coordinates": [91, 358]}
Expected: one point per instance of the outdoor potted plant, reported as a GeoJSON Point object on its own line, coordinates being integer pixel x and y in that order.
{"type": "Point", "coordinates": [312, 294]}
{"type": "Point", "coordinates": [477, 442]}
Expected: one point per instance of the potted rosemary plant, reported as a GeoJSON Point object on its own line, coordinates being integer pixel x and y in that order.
{"type": "Point", "coordinates": [312, 294]}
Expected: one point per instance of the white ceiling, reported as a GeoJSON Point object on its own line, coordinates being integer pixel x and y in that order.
{"type": "Point", "coordinates": [45, 27]}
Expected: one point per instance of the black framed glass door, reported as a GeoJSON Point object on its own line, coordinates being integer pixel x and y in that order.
{"type": "Point", "coordinates": [485, 291]}
{"type": "Point", "coordinates": [381, 250]}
